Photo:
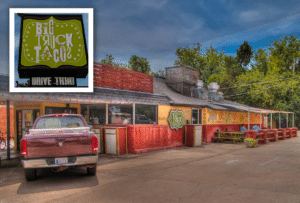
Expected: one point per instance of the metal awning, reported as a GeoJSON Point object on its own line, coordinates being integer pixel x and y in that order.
{"type": "Point", "coordinates": [251, 109]}
{"type": "Point", "coordinates": [260, 111]}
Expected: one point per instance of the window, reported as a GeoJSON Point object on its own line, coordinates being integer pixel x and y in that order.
{"type": "Point", "coordinates": [145, 114]}
{"type": "Point", "coordinates": [120, 114]}
{"type": "Point", "coordinates": [56, 110]}
{"type": "Point", "coordinates": [196, 116]}
{"type": "Point", "coordinates": [94, 114]}
{"type": "Point", "coordinates": [59, 122]}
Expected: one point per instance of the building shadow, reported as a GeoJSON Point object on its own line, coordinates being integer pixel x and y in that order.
{"type": "Point", "coordinates": [47, 181]}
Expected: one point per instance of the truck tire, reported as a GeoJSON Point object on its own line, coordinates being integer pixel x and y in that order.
{"type": "Point", "coordinates": [30, 174]}
{"type": "Point", "coordinates": [92, 171]}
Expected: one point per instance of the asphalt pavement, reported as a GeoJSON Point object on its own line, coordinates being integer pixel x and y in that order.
{"type": "Point", "coordinates": [218, 172]}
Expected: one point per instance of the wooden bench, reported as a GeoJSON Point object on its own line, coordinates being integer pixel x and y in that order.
{"type": "Point", "coordinates": [231, 136]}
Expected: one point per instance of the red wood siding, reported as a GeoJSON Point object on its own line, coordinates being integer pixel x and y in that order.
{"type": "Point", "coordinates": [3, 120]}
{"type": "Point", "coordinates": [147, 138]}
{"type": "Point", "coordinates": [118, 78]}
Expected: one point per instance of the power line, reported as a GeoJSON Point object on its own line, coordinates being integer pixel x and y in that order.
{"type": "Point", "coordinates": [294, 77]}
{"type": "Point", "coordinates": [258, 90]}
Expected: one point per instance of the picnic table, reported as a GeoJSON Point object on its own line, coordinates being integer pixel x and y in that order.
{"type": "Point", "coordinates": [232, 136]}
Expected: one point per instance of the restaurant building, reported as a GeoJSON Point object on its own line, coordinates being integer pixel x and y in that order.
{"type": "Point", "coordinates": [146, 113]}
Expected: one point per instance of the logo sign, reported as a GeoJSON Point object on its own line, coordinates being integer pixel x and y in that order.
{"type": "Point", "coordinates": [52, 46]}
{"type": "Point", "coordinates": [176, 119]}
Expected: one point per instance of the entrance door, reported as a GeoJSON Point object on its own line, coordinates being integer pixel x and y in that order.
{"type": "Point", "coordinates": [27, 121]}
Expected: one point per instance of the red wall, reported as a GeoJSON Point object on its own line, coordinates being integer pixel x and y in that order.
{"type": "Point", "coordinates": [3, 119]}
{"type": "Point", "coordinates": [119, 78]}
{"type": "Point", "coordinates": [209, 130]}
{"type": "Point", "coordinates": [146, 138]}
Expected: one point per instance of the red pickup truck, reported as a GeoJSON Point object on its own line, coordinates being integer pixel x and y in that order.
{"type": "Point", "coordinates": [59, 141]}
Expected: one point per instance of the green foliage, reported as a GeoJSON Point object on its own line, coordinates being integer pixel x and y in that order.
{"type": "Point", "coordinates": [191, 56]}
{"type": "Point", "coordinates": [272, 82]}
{"type": "Point", "coordinates": [139, 64]}
{"type": "Point", "coordinates": [208, 64]}
{"type": "Point", "coordinates": [109, 60]}
{"type": "Point", "coordinates": [244, 54]}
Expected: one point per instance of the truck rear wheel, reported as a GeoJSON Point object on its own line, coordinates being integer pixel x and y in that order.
{"type": "Point", "coordinates": [92, 171]}
{"type": "Point", "coordinates": [30, 174]}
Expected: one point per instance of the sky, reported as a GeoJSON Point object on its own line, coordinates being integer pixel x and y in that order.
{"type": "Point", "coordinates": [155, 29]}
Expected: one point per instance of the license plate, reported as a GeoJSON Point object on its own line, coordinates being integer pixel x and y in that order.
{"type": "Point", "coordinates": [61, 160]}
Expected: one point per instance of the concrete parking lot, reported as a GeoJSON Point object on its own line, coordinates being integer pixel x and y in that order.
{"type": "Point", "coordinates": [220, 172]}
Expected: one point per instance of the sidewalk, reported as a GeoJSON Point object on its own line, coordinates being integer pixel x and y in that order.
{"type": "Point", "coordinates": [13, 154]}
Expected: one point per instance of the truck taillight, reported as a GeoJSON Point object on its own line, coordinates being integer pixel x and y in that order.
{"type": "Point", "coordinates": [95, 144]}
{"type": "Point", "coordinates": [23, 147]}
{"type": "Point", "coordinates": [60, 115]}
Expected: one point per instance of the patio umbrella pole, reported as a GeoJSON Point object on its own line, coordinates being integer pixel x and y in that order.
{"type": "Point", "coordinates": [287, 120]}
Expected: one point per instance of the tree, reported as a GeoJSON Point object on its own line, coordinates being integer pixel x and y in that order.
{"type": "Point", "coordinates": [26, 84]}
{"type": "Point", "coordinates": [262, 59]}
{"type": "Point", "coordinates": [108, 60]}
{"type": "Point", "coordinates": [244, 54]}
{"type": "Point", "coordinates": [212, 64]}
{"type": "Point", "coordinates": [139, 64]}
{"type": "Point", "coordinates": [208, 64]}
{"type": "Point", "coordinates": [286, 51]}
{"type": "Point", "coordinates": [191, 56]}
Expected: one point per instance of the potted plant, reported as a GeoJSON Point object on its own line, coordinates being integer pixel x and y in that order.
{"type": "Point", "coordinates": [250, 142]}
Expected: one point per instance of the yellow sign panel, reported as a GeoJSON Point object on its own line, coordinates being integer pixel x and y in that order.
{"type": "Point", "coordinates": [164, 112]}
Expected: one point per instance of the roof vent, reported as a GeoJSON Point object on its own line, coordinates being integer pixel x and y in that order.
{"type": "Point", "coordinates": [198, 92]}
{"type": "Point", "coordinates": [221, 96]}
{"type": "Point", "coordinates": [213, 91]}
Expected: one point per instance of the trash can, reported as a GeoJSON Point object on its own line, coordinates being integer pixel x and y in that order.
{"type": "Point", "coordinates": [116, 140]}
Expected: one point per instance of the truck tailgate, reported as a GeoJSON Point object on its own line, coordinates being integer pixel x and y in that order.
{"type": "Point", "coordinates": [58, 145]}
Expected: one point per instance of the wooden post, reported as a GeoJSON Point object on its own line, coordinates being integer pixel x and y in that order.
{"type": "Point", "coordinates": [279, 120]}
{"type": "Point", "coordinates": [106, 113]}
{"type": "Point", "coordinates": [133, 112]}
{"type": "Point", "coordinates": [248, 121]}
{"type": "Point", "coordinates": [260, 119]}
{"type": "Point", "coordinates": [293, 119]}
{"type": "Point", "coordinates": [271, 121]}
